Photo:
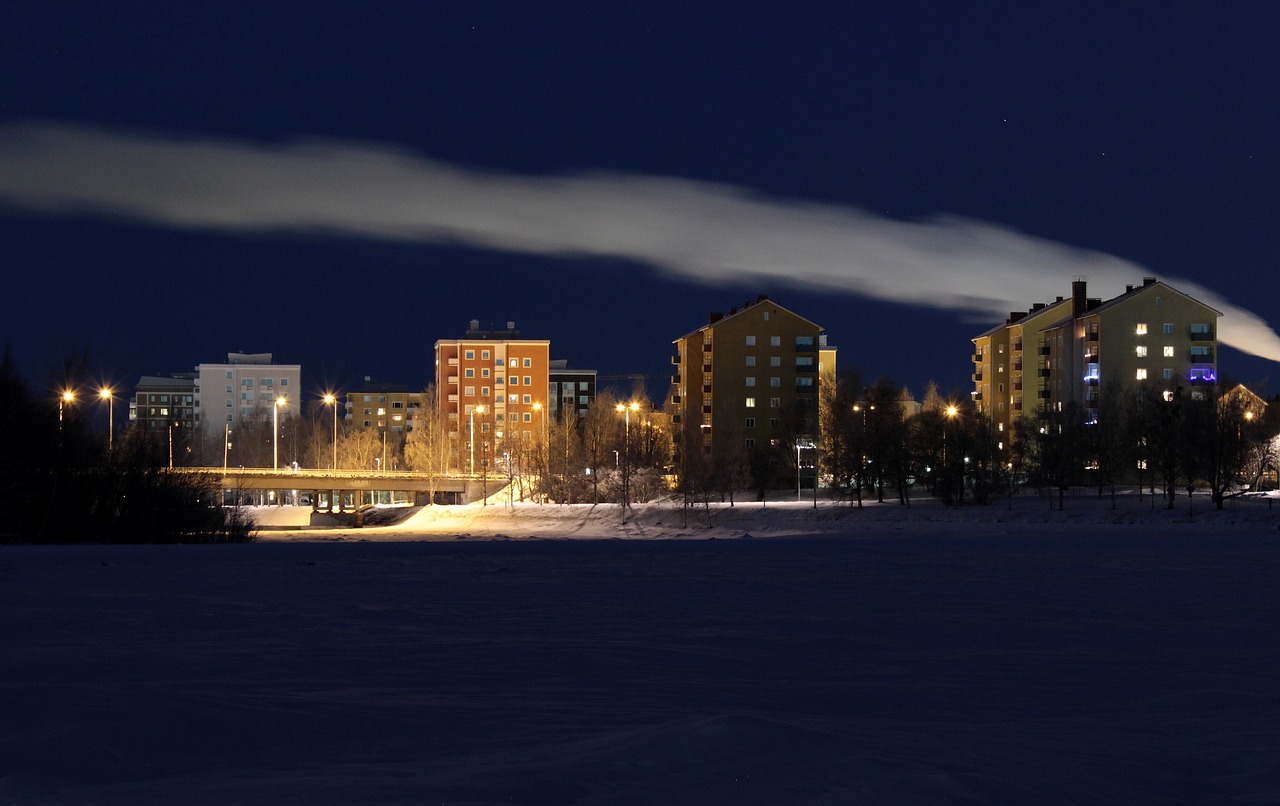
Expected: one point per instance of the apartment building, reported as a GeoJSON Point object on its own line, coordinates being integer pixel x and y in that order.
{"type": "Point", "coordinates": [247, 383]}
{"type": "Point", "coordinates": [160, 402]}
{"type": "Point", "coordinates": [1073, 349]}
{"type": "Point", "coordinates": [387, 407]}
{"type": "Point", "coordinates": [569, 390]}
{"type": "Point", "coordinates": [496, 381]}
{"type": "Point", "coordinates": [750, 378]}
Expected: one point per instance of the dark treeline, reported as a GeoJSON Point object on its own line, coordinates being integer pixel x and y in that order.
{"type": "Point", "coordinates": [61, 483]}
{"type": "Point", "coordinates": [1166, 440]}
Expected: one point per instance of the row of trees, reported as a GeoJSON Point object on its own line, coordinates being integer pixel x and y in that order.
{"type": "Point", "coordinates": [63, 481]}
{"type": "Point", "coordinates": [1167, 439]}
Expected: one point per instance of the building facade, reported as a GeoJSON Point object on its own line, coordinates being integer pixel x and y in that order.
{"type": "Point", "coordinates": [750, 378]}
{"type": "Point", "coordinates": [161, 402]}
{"type": "Point", "coordinates": [386, 407]}
{"type": "Point", "coordinates": [226, 394]}
{"type": "Point", "coordinates": [1073, 350]}
{"type": "Point", "coordinates": [495, 382]}
{"type": "Point", "coordinates": [569, 390]}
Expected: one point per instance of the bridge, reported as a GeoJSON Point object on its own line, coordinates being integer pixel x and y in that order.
{"type": "Point", "coordinates": [349, 488]}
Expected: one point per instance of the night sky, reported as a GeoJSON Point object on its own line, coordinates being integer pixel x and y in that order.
{"type": "Point", "coordinates": [344, 186]}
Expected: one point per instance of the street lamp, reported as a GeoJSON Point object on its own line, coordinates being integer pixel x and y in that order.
{"type": "Point", "coordinates": [474, 409]}
{"type": "Point", "coordinates": [66, 399]}
{"type": "Point", "coordinates": [331, 399]}
{"type": "Point", "coordinates": [106, 394]}
{"type": "Point", "coordinates": [275, 432]}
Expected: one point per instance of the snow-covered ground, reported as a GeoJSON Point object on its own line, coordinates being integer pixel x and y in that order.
{"type": "Point", "coordinates": [780, 655]}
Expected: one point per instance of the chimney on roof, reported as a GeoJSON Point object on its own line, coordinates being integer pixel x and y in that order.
{"type": "Point", "coordinates": [715, 316]}
{"type": "Point", "coordinates": [1078, 298]}
{"type": "Point", "coordinates": [475, 324]}
{"type": "Point", "coordinates": [511, 325]}
{"type": "Point", "coordinates": [761, 297]}
{"type": "Point", "coordinates": [1058, 299]}
{"type": "Point", "coordinates": [1146, 281]}
{"type": "Point", "coordinates": [1128, 288]}
{"type": "Point", "coordinates": [1036, 306]}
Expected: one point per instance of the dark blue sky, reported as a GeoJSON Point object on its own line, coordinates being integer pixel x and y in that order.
{"type": "Point", "coordinates": [1147, 132]}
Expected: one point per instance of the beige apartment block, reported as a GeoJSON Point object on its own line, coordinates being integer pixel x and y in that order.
{"type": "Point", "coordinates": [247, 383]}
{"type": "Point", "coordinates": [750, 378]}
{"type": "Point", "coordinates": [1075, 349]}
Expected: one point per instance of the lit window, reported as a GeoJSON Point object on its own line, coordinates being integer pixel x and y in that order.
{"type": "Point", "coordinates": [1142, 374]}
{"type": "Point", "coordinates": [1168, 351]}
{"type": "Point", "coordinates": [1141, 329]}
{"type": "Point", "coordinates": [751, 402]}
{"type": "Point", "coordinates": [1140, 351]}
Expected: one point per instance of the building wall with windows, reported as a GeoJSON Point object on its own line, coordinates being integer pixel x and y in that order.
{"type": "Point", "coordinates": [569, 390]}
{"type": "Point", "coordinates": [496, 379]}
{"type": "Point", "coordinates": [160, 402]}
{"type": "Point", "coordinates": [751, 376]}
{"type": "Point", "coordinates": [1074, 349]}
{"type": "Point", "coordinates": [385, 407]}
{"type": "Point", "coordinates": [245, 384]}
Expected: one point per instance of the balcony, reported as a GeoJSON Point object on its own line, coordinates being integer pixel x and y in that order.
{"type": "Point", "coordinates": [1017, 405]}
{"type": "Point", "coordinates": [977, 358]}
{"type": "Point", "coordinates": [1092, 335]}
{"type": "Point", "coordinates": [706, 409]}
{"type": "Point", "coordinates": [1017, 386]}
{"type": "Point", "coordinates": [977, 377]}
{"type": "Point", "coordinates": [1044, 394]}
{"type": "Point", "coordinates": [809, 347]}
{"type": "Point", "coordinates": [1044, 349]}
{"type": "Point", "coordinates": [453, 380]}
{"type": "Point", "coordinates": [977, 395]}
{"type": "Point", "coordinates": [675, 360]}
{"type": "Point", "coordinates": [706, 368]}
{"type": "Point", "coordinates": [675, 399]}
{"type": "Point", "coordinates": [1017, 365]}
{"type": "Point", "coordinates": [675, 378]}
{"type": "Point", "coordinates": [1198, 357]}
{"type": "Point", "coordinates": [1043, 372]}
{"type": "Point", "coordinates": [1017, 345]}
{"type": "Point", "coordinates": [453, 362]}
{"type": "Point", "coordinates": [1200, 333]}
{"type": "Point", "coordinates": [706, 348]}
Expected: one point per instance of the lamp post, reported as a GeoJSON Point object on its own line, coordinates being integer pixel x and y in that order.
{"type": "Point", "coordinates": [275, 432]}
{"type": "Point", "coordinates": [951, 412]}
{"type": "Point", "coordinates": [106, 394]}
{"type": "Point", "coordinates": [474, 409]}
{"type": "Point", "coordinates": [331, 399]}
{"type": "Point", "coordinates": [65, 399]}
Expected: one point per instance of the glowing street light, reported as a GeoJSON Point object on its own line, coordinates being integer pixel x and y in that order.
{"type": "Point", "coordinates": [106, 394]}
{"type": "Point", "coordinates": [474, 409]}
{"type": "Point", "coordinates": [331, 399]}
{"type": "Point", "coordinates": [65, 399]}
{"type": "Point", "coordinates": [275, 432]}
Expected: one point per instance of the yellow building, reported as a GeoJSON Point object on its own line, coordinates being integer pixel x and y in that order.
{"type": "Point", "coordinates": [750, 378]}
{"type": "Point", "coordinates": [1074, 349]}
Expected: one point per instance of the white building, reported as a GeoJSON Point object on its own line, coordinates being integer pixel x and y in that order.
{"type": "Point", "coordinates": [230, 392]}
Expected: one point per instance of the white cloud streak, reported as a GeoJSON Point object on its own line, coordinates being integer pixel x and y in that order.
{"type": "Point", "coordinates": [694, 231]}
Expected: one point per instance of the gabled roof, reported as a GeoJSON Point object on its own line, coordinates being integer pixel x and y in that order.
{"type": "Point", "coordinates": [1142, 289]}
{"type": "Point", "coordinates": [749, 306]}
